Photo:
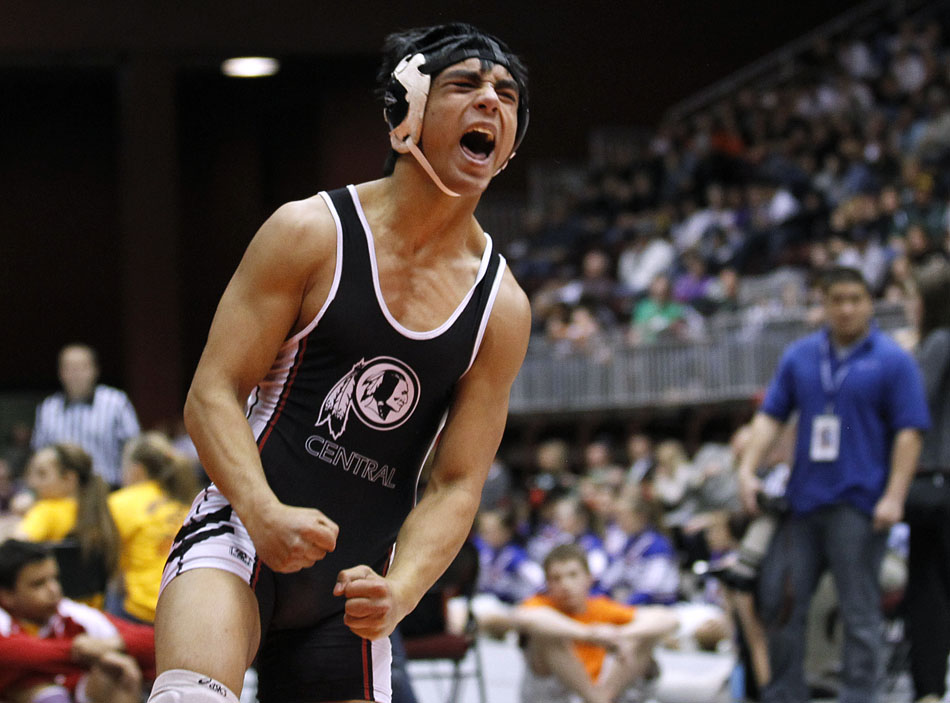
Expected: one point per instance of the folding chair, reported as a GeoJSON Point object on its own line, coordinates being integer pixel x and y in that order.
{"type": "Point", "coordinates": [428, 637]}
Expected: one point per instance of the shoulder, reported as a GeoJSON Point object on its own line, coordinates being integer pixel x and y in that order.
{"type": "Point", "coordinates": [888, 350]}
{"type": "Point", "coordinates": [110, 394]}
{"type": "Point", "coordinates": [288, 243]}
{"type": "Point", "coordinates": [540, 600]}
{"type": "Point", "coordinates": [605, 608]}
{"type": "Point", "coordinates": [802, 349]}
{"type": "Point", "coordinates": [512, 302]}
{"type": "Point", "coordinates": [508, 330]}
{"type": "Point", "coordinates": [52, 401]}
{"type": "Point", "coordinates": [809, 343]}
{"type": "Point", "coordinates": [302, 226]}
{"type": "Point", "coordinates": [120, 499]}
{"type": "Point", "coordinates": [93, 621]}
{"type": "Point", "coordinates": [659, 545]}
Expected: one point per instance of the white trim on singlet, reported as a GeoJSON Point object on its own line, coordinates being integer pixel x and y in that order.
{"type": "Point", "coordinates": [264, 397]}
{"type": "Point", "coordinates": [496, 285]}
{"type": "Point", "coordinates": [381, 651]}
{"type": "Point", "coordinates": [405, 331]}
{"type": "Point", "coordinates": [337, 273]}
{"type": "Point", "coordinates": [425, 458]}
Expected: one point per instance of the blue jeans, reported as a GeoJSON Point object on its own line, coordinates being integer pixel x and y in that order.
{"type": "Point", "coordinates": [839, 538]}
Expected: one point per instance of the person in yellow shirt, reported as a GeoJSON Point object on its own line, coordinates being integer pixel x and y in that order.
{"type": "Point", "coordinates": [570, 634]}
{"type": "Point", "coordinates": [158, 487]}
{"type": "Point", "coordinates": [71, 512]}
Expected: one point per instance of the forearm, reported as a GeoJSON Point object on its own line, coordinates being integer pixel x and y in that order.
{"type": "Point", "coordinates": [650, 624]}
{"type": "Point", "coordinates": [548, 623]}
{"type": "Point", "coordinates": [34, 654]}
{"type": "Point", "coordinates": [214, 417]}
{"type": "Point", "coordinates": [765, 430]}
{"type": "Point", "coordinates": [904, 456]}
{"type": "Point", "coordinates": [429, 540]}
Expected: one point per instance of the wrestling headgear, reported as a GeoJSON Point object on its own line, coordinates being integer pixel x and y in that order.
{"type": "Point", "coordinates": [427, 52]}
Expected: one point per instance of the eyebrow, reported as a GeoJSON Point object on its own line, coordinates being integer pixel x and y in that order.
{"type": "Point", "coordinates": [476, 76]}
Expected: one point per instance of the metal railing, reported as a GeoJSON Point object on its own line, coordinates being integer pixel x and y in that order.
{"type": "Point", "coordinates": [733, 361]}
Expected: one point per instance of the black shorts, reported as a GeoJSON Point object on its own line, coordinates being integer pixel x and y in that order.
{"type": "Point", "coordinates": [326, 662]}
{"type": "Point", "coordinates": [323, 661]}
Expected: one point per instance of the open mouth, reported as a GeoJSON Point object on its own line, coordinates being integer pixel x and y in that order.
{"type": "Point", "coordinates": [478, 143]}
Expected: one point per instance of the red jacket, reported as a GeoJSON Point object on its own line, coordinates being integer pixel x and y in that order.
{"type": "Point", "coordinates": [27, 659]}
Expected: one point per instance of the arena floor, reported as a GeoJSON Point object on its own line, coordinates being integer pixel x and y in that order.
{"type": "Point", "coordinates": [688, 677]}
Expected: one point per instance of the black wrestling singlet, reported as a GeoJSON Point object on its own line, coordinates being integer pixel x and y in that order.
{"type": "Point", "coordinates": [351, 408]}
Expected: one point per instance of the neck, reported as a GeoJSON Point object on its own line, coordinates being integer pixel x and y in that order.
{"type": "Point", "coordinates": [846, 340]}
{"type": "Point", "coordinates": [80, 397]}
{"type": "Point", "coordinates": [412, 205]}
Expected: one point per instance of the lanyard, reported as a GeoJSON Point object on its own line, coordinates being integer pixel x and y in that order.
{"type": "Point", "coordinates": [831, 383]}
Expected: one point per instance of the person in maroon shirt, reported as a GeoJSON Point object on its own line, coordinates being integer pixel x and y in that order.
{"type": "Point", "coordinates": [54, 650]}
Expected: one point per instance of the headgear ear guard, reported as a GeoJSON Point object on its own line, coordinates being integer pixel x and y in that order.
{"type": "Point", "coordinates": [407, 91]}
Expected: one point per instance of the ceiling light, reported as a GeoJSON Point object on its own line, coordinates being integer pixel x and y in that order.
{"type": "Point", "coordinates": [250, 66]}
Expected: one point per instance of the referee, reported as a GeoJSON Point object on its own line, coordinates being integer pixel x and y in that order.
{"type": "Point", "coordinates": [98, 418]}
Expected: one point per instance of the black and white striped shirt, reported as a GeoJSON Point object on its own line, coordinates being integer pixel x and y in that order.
{"type": "Point", "coordinates": [101, 427]}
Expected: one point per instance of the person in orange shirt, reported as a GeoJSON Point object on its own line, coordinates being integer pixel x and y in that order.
{"type": "Point", "coordinates": [570, 634]}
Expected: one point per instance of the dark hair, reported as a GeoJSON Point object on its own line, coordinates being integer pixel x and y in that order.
{"type": "Point", "coordinates": [933, 287]}
{"type": "Point", "coordinates": [566, 552]}
{"type": "Point", "coordinates": [94, 529]}
{"type": "Point", "coordinates": [444, 45]}
{"type": "Point", "coordinates": [506, 518]}
{"type": "Point", "coordinates": [163, 464]}
{"type": "Point", "coordinates": [15, 555]}
{"type": "Point", "coordinates": [843, 274]}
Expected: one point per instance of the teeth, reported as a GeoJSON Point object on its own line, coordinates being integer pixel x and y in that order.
{"type": "Point", "coordinates": [488, 134]}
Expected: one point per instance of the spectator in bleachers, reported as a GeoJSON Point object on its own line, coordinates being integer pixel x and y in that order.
{"type": "Point", "coordinates": [644, 567]}
{"type": "Point", "coordinates": [499, 488]}
{"type": "Point", "coordinates": [646, 255]}
{"type": "Point", "coordinates": [658, 317]}
{"type": "Point", "coordinates": [572, 522]}
{"type": "Point", "coordinates": [599, 462]}
{"type": "Point", "coordinates": [505, 569]}
{"type": "Point", "coordinates": [581, 331]}
{"type": "Point", "coordinates": [98, 418]}
{"type": "Point", "coordinates": [159, 486]}
{"type": "Point", "coordinates": [595, 287]}
{"type": "Point", "coordinates": [72, 504]}
{"type": "Point", "coordinates": [551, 476]}
{"type": "Point", "coordinates": [676, 486]}
{"type": "Point", "coordinates": [694, 284]}
{"type": "Point", "coordinates": [640, 458]}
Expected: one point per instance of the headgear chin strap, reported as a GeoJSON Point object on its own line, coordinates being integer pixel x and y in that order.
{"type": "Point", "coordinates": [404, 137]}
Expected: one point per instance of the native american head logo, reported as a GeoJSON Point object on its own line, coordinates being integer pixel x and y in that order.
{"type": "Point", "coordinates": [382, 392]}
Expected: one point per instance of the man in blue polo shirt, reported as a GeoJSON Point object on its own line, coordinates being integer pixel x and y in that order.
{"type": "Point", "coordinates": [860, 409]}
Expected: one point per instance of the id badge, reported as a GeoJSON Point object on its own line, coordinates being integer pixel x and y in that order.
{"type": "Point", "coordinates": [825, 437]}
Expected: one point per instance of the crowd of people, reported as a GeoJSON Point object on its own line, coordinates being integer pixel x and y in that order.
{"type": "Point", "coordinates": [838, 173]}
{"type": "Point", "coordinates": [87, 522]}
{"type": "Point", "coordinates": [841, 160]}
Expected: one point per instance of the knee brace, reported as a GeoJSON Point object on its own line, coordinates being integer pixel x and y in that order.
{"type": "Point", "coordinates": [181, 685]}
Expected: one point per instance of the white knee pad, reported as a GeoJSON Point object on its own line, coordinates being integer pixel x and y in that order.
{"type": "Point", "coordinates": [183, 686]}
